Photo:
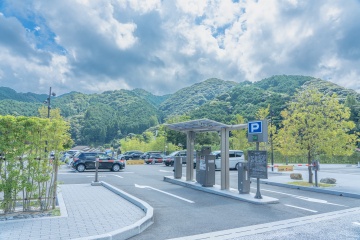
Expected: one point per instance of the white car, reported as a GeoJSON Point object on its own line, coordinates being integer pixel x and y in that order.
{"type": "Point", "coordinates": [235, 157]}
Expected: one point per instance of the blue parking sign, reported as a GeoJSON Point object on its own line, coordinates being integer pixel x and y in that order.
{"type": "Point", "coordinates": [255, 127]}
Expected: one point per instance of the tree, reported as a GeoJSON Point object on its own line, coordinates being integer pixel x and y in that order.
{"type": "Point", "coordinates": [316, 124]}
{"type": "Point", "coordinates": [239, 140]}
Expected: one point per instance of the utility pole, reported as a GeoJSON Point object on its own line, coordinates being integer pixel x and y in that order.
{"type": "Point", "coordinates": [271, 141]}
{"type": "Point", "coordinates": [48, 102]}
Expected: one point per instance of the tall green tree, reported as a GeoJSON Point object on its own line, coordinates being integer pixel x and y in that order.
{"type": "Point", "coordinates": [316, 124]}
{"type": "Point", "coordinates": [239, 140]}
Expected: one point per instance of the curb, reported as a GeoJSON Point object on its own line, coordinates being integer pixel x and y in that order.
{"type": "Point", "coordinates": [231, 193]}
{"type": "Point", "coordinates": [133, 229]}
{"type": "Point", "coordinates": [310, 189]}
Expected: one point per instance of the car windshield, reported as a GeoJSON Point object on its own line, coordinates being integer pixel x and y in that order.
{"type": "Point", "coordinates": [156, 155]}
{"type": "Point", "coordinates": [77, 154]}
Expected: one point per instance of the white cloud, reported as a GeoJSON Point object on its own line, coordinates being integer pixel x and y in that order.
{"type": "Point", "coordinates": [162, 46]}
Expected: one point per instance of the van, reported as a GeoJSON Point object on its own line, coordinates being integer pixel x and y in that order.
{"type": "Point", "coordinates": [235, 157]}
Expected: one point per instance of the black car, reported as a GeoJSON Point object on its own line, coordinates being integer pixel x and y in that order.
{"type": "Point", "coordinates": [147, 154]}
{"type": "Point", "coordinates": [169, 159]}
{"type": "Point", "coordinates": [131, 155]}
{"type": "Point", "coordinates": [86, 160]}
{"type": "Point", "coordinates": [154, 158]}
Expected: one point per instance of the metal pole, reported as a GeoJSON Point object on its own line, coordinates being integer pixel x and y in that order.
{"type": "Point", "coordinates": [316, 180]}
{"type": "Point", "coordinates": [258, 194]}
{"type": "Point", "coordinates": [49, 103]}
{"type": "Point", "coordinates": [271, 139]}
{"type": "Point", "coordinates": [54, 159]}
{"type": "Point", "coordinates": [96, 169]}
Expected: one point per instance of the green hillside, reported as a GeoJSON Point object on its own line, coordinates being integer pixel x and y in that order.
{"type": "Point", "coordinates": [10, 94]}
{"type": "Point", "coordinates": [149, 97]}
{"type": "Point", "coordinates": [189, 98]}
{"type": "Point", "coordinates": [102, 118]}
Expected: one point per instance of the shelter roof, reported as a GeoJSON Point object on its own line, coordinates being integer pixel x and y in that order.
{"type": "Point", "coordinates": [203, 125]}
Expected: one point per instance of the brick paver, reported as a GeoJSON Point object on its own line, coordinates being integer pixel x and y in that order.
{"type": "Point", "coordinates": [92, 210]}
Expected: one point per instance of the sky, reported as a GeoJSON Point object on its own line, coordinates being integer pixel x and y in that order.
{"type": "Point", "coordinates": [161, 46]}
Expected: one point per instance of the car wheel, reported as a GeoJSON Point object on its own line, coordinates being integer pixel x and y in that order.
{"type": "Point", "coordinates": [166, 164]}
{"type": "Point", "coordinates": [115, 167]}
{"type": "Point", "coordinates": [237, 166]}
{"type": "Point", "coordinates": [80, 167]}
{"type": "Point", "coordinates": [147, 162]}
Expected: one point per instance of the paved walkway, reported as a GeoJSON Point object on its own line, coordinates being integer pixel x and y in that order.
{"type": "Point", "coordinates": [104, 212]}
{"type": "Point", "coordinates": [347, 179]}
{"type": "Point", "coordinates": [90, 211]}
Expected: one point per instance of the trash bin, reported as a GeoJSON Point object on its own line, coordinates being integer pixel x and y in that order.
{"type": "Point", "coordinates": [177, 167]}
{"type": "Point", "coordinates": [243, 178]}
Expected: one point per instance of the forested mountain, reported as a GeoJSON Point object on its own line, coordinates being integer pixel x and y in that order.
{"type": "Point", "coordinates": [102, 118]}
{"type": "Point", "coordinates": [246, 98]}
{"type": "Point", "coordinates": [189, 98]}
{"type": "Point", "coordinates": [149, 97]}
{"type": "Point", "coordinates": [18, 108]}
{"type": "Point", "coordinates": [10, 94]}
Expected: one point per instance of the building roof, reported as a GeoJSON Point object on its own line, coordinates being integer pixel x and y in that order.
{"type": "Point", "coordinates": [203, 125]}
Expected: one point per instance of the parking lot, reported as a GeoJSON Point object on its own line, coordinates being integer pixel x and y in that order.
{"type": "Point", "coordinates": [181, 211]}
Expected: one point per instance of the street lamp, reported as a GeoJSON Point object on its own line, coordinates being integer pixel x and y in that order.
{"type": "Point", "coordinates": [271, 139]}
{"type": "Point", "coordinates": [48, 100]}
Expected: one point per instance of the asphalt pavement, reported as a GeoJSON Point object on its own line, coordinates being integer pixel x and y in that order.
{"type": "Point", "coordinates": [105, 212]}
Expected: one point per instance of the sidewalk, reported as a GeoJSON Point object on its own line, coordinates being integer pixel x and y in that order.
{"type": "Point", "coordinates": [347, 179]}
{"type": "Point", "coordinates": [87, 212]}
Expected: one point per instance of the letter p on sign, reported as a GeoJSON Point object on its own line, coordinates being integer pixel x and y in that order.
{"type": "Point", "coordinates": [255, 127]}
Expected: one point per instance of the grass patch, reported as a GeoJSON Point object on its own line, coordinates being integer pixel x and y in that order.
{"type": "Point", "coordinates": [56, 212]}
{"type": "Point", "coordinates": [306, 184]}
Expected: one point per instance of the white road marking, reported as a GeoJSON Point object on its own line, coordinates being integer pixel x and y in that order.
{"type": "Point", "coordinates": [117, 176]}
{"type": "Point", "coordinates": [164, 171]}
{"type": "Point", "coordinates": [173, 195]}
{"type": "Point", "coordinates": [305, 198]}
{"type": "Point", "coordinates": [356, 223]}
{"type": "Point", "coordinates": [94, 176]}
{"type": "Point", "coordinates": [306, 209]}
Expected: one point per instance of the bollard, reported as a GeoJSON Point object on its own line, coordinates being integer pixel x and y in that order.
{"type": "Point", "coordinates": [96, 169]}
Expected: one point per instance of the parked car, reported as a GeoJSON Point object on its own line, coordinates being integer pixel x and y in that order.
{"type": "Point", "coordinates": [146, 154]}
{"type": "Point", "coordinates": [169, 159]}
{"type": "Point", "coordinates": [131, 155]}
{"type": "Point", "coordinates": [154, 158]}
{"type": "Point", "coordinates": [69, 156]}
{"type": "Point", "coordinates": [235, 157]}
{"type": "Point", "coordinates": [86, 160]}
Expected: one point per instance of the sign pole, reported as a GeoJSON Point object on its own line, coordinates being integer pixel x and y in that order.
{"type": "Point", "coordinates": [258, 194]}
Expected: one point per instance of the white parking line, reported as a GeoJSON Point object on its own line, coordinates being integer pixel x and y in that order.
{"type": "Point", "coordinates": [94, 176]}
{"type": "Point", "coordinates": [304, 198]}
{"type": "Point", "coordinates": [170, 194]}
{"type": "Point", "coordinates": [117, 176]}
{"type": "Point", "coordinates": [356, 223]}
{"type": "Point", "coordinates": [306, 209]}
{"type": "Point", "coordinates": [164, 171]}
